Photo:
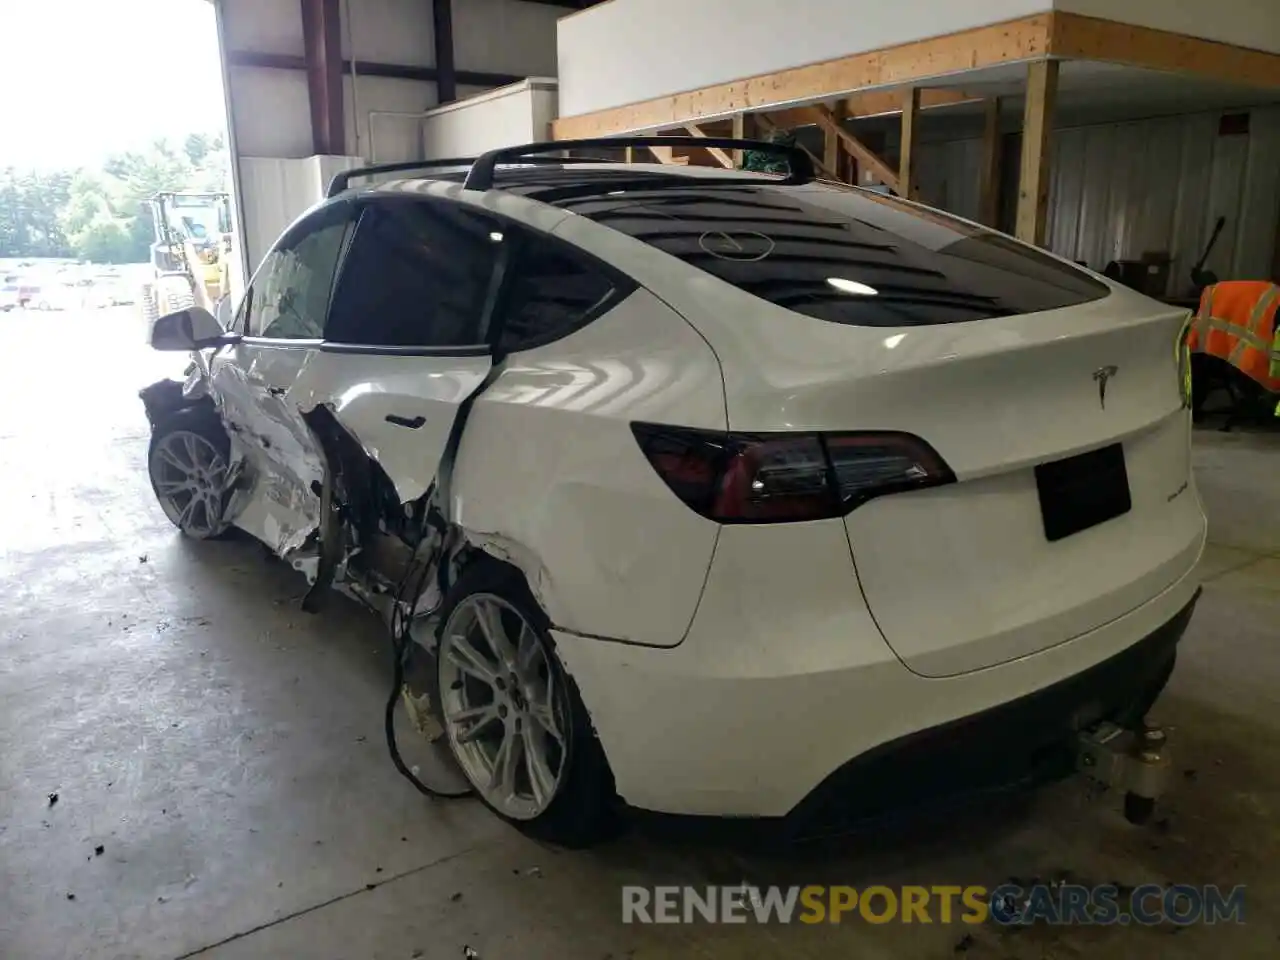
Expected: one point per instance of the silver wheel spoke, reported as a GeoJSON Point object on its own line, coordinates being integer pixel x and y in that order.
{"type": "Point", "coordinates": [489, 616]}
{"type": "Point", "coordinates": [170, 487]}
{"type": "Point", "coordinates": [473, 720]}
{"type": "Point", "coordinates": [192, 448]}
{"type": "Point", "coordinates": [505, 763]}
{"type": "Point", "coordinates": [528, 653]}
{"type": "Point", "coordinates": [469, 660]}
{"type": "Point", "coordinates": [188, 511]}
{"type": "Point", "coordinates": [541, 779]}
{"type": "Point", "coordinates": [172, 459]}
{"type": "Point", "coordinates": [545, 717]}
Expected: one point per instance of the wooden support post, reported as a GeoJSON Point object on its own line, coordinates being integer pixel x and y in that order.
{"type": "Point", "coordinates": [766, 126]}
{"type": "Point", "coordinates": [825, 119]}
{"type": "Point", "coordinates": [739, 133]}
{"type": "Point", "coordinates": [989, 172]}
{"type": "Point", "coordinates": [718, 155]}
{"type": "Point", "coordinates": [831, 152]}
{"type": "Point", "coordinates": [1037, 132]}
{"type": "Point", "coordinates": [909, 155]}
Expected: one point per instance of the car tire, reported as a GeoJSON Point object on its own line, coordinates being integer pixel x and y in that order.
{"type": "Point", "coordinates": [584, 808]}
{"type": "Point", "coordinates": [201, 422]}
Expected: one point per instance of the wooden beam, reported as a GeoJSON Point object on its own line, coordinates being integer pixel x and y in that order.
{"type": "Point", "coordinates": [667, 155]}
{"type": "Point", "coordinates": [825, 119]}
{"type": "Point", "coordinates": [719, 156]}
{"type": "Point", "coordinates": [910, 147]}
{"type": "Point", "coordinates": [882, 103]}
{"type": "Point", "coordinates": [442, 22]}
{"type": "Point", "coordinates": [989, 170]}
{"type": "Point", "coordinates": [1037, 128]}
{"type": "Point", "coordinates": [1075, 37]}
{"type": "Point", "coordinates": [1024, 39]}
{"type": "Point", "coordinates": [831, 152]}
{"type": "Point", "coordinates": [739, 133]}
{"type": "Point", "coordinates": [1061, 35]}
{"type": "Point", "coordinates": [767, 127]}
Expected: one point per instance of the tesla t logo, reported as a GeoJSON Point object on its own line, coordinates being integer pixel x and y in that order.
{"type": "Point", "coordinates": [1102, 375]}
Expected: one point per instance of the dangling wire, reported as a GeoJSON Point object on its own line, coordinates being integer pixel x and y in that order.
{"type": "Point", "coordinates": [402, 646]}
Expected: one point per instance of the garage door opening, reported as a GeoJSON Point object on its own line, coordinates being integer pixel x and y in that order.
{"type": "Point", "coordinates": [114, 167]}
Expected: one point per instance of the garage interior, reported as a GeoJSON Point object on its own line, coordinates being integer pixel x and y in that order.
{"type": "Point", "coordinates": [191, 766]}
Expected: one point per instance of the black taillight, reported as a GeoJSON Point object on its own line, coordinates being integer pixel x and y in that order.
{"type": "Point", "coordinates": [773, 478]}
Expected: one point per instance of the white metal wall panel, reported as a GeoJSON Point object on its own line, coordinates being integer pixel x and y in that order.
{"type": "Point", "coordinates": [1192, 220]}
{"type": "Point", "coordinates": [271, 112]}
{"type": "Point", "coordinates": [1256, 236]}
{"type": "Point", "coordinates": [263, 26]}
{"type": "Point", "coordinates": [384, 117]}
{"type": "Point", "coordinates": [949, 174]}
{"type": "Point", "coordinates": [504, 36]}
{"type": "Point", "coordinates": [1159, 185]}
{"type": "Point", "coordinates": [1120, 190]}
{"type": "Point", "coordinates": [390, 31]}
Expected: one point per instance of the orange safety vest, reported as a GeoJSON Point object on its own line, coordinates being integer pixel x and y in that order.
{"type": "Point", "coordinates": [1237, 323]}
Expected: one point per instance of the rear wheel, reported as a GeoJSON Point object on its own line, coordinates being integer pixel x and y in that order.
{"type": "Point", "coordinates": [513, 717]}
{"type": "Point", "coordinates": [188, 461]}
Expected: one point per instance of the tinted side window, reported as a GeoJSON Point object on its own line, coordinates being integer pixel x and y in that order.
{"type": "Point", "coordinates": [290, 293]}
{"type": "Point", "coordinates": [551, 292]}
{"type": "Point", "coordinates": [417, 275]}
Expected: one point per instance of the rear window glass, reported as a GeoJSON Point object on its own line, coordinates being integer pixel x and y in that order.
{"type": "Point", "coordinates": [848, 256]}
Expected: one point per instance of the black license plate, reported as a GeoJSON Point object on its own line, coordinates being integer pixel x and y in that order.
{"type": "Point", "coordinates": [1082, 492]}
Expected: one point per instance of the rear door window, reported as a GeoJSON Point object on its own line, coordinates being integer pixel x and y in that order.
{"type": "Point", "coordinates": [417, 274]}
{"type": "Point", "coordinates": [846, 256]}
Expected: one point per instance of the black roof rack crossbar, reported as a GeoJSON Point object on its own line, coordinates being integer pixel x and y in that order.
{"type": "Point", "coordinates": [341, 181]}
{"type": "Point", "coordinates": [482, 170]}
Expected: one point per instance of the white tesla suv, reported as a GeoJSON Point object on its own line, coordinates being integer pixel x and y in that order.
{"type": "Point", "coordinates": [722, 493]}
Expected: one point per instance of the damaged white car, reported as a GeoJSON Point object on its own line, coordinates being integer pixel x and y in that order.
{"type": "Point", "coordinates": [704, 492]}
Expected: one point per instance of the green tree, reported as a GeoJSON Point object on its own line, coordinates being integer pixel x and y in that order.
{"type": "Point", "coordinates": [103, 214]}
{"type": "Point", "coordinates": [106, 239]}
{"type": "Point", "coordinates": [30, 203]}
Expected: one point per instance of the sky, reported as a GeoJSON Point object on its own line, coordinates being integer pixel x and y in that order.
{"type": "Point", "coordinates": [81, 79]}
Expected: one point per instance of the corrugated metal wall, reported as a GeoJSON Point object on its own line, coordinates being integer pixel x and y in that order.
{"type": "Point", "coordinates": [1122, 189]}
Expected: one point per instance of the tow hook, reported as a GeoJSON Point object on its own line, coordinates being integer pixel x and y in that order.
{"type": "Point", "coordinates": [1136, 761]}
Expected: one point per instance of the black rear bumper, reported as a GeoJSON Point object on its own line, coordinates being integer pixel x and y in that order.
{"type": "Point", "coordinates": [1024, 741]}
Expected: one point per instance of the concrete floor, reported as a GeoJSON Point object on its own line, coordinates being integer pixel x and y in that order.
{"type": "Point", "coordinates": [225, 749]}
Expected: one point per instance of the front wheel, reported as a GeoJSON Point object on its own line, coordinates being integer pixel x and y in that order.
{"type": "Point", "coordinates": [512, 716]}
{"type": "Point", "coordinates": [188, 461]}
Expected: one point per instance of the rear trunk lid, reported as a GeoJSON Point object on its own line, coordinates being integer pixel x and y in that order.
{"type": "Point", "coordinates": [1008, 362]}
{"type": "Point", "coordinates": [1027, 548]}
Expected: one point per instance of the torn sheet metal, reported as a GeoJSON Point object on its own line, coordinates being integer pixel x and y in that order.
{"type": "Point", "coordinates": [283, 470]}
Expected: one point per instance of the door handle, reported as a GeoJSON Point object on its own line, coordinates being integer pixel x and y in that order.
{"type": "Point", "coordinates": [412, 423]}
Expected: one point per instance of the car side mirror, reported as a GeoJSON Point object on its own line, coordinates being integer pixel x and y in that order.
{"type": "Point", "coordinates": [190, 329]}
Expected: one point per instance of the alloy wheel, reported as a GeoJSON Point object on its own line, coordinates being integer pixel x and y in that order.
{"type": "Point", "coordinates": [505, 709]}
{"type": "Point", "coordinates": [189, 475]}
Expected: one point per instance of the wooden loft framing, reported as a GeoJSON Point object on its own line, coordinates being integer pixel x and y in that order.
{"type": "Point", "coordinates": [1049, 35]}
{"type": "Point", "coordinates": [1040, 42]}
